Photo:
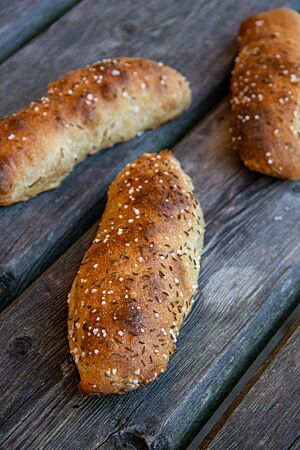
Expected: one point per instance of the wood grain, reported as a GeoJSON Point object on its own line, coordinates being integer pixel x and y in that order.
{"type": "Point", "coordinates": [20, 21]}
{"type": "Point", "coordinates": [269, 415]}
{"type": "Point", "coordinates": [180, 35]}
{"type": "Point", "coordinates": [248, 285]}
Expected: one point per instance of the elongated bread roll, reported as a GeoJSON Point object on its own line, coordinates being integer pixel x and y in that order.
{"type": "Point", "coordinates": [84, 111]}
{"type": "Point", "coordinates": [265, 93]}
{"type": "Point", "coordinates": [138, 279]}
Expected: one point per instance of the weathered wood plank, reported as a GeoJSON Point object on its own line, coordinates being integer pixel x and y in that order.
{"type": "Point", "coordinates": [35, 233]}
{"type": "Point", "coordinates": [223, 411]}
{"type": "Point", "coordinates": [20, 21]}
{"type": "Point", "coordinates": [249, 284]}
{"type": "Point", "coordinates": [14, 9]}
{"type": "Point", "coordinates": [268, 415]}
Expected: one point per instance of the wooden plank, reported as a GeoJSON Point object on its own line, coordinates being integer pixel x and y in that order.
{"type": "Point", "coordinates": [20, 21]}
{"type": "Point", "coordinates": [256, 367]}
{"type": "Point", "coordinates": [267, 414]}
{"type": "Point", "coordinates": [249, 284]}
{"type": "Point", "coordinates": [35, 233]}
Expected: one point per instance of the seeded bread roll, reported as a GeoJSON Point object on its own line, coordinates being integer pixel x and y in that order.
{"type": "Point", "coordinates": [266, 92]}
{"type": "Point", "coordinates": [81, 113]}
{"type": "Point", "coordinates": [137, 281]}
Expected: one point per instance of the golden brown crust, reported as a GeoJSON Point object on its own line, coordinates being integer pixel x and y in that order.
{"type": "Point", "coordinates": [81, 113]}
{"type": "Point", "coordinates": [265, 90]}
{"type": "Point", "coordinates": [137, 281]}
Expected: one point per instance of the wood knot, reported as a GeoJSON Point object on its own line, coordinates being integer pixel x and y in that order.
{"type": "Point", "coordinates": [20, 346]}
{"type": "Point", "coordinates": [296, 189]}
{"type": "Point", "coordinates": [128, 28]}
{"type": "Point", "coordinates": [132, 441]}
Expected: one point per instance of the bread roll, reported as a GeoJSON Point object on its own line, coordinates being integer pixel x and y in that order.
{"type": "Point", "coordinates": [137, 281]}
{"type": "Point", "coordinates": [84, 111]}
{"type": "Point", "coordinates": [265, 94]}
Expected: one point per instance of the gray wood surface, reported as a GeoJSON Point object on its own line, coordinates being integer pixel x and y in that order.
{"type": "Point", "coordinates": [196, 37]}
{"type": "Point", "coordinates": [21, 20]}
{"type": "Point", "coordinates": [249, 283]}
{"type": "Point", "coordinates": [268, 416]}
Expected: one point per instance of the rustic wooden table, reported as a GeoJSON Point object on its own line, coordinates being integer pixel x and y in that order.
{"type": "Point", "coordinates": [250, 280]}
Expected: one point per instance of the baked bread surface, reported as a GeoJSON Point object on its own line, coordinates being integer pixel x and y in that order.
{"type": "Point", "coordinates": [137, 281]}
{"type": "Point", "coordinates": [81, 113]}
{"type": "Point", "coordinates": [265, 90]}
